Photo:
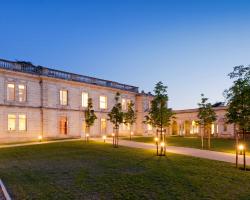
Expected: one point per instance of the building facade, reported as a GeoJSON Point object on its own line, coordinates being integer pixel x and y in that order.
{"type": "Point", "coordinates": [38, 101]}
{"type": "Point", "coordinates": [185, 124]}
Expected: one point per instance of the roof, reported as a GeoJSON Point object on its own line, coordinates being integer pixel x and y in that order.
{"type": "Point", "coordinates": [29, 68]}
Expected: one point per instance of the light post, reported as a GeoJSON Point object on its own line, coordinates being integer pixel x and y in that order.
{"type": "Point", "coordinates": [156, 142]}
{"type": "Point", "coordinates": [40, 138]}
{"type": "Point", "coordinates": [113, 139]}
{"type": "Point", "coordinates": [242, 151]}
{"type": "Point", "coordinates": [163, 149]}
{"type": "Point", "coordinates": [131, 133]}
{"type": "Point", "coordinates": [104, 137]}
{"type": "Point", "coordinates": [86, 137]}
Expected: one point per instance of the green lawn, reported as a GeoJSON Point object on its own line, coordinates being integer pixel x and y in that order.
{"type": "Point", "coordinates": [217, 144]}
{"type": "Point", "coordinates": [75, 170]}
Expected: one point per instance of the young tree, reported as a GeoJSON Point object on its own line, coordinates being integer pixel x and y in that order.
{"type": "Point", "coordinates": [159, 115]}
{"type": "Point", "coordinates": [206, 117]}
{"type": "Point", "coordinates": [238, 102]}
{"type": "Point", "coordinates": [90, 116]}
{"type": "Point", "coordinates": [116, 116]}
{"type": "Point", "coordinates": [130, 117]}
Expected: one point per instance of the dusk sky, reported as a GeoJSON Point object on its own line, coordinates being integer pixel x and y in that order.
{"type": "Point", "coordinates": [189, 45]}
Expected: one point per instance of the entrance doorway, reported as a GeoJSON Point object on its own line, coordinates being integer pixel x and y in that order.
{"type": "Point", "coordinates": [63, 125]}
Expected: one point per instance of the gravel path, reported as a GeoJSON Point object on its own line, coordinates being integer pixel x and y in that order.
{"type": "Point", "coordinates": [212, 155]}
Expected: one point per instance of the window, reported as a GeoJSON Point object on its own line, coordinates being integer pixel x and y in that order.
{"type": "Point", "coordinates": [21, 93]}
{"type": "Point", "coordinates": [124, 104]}
{"type": "Point", "coordinates": [85, 98]}
{"type": "Point", "coordinates": [22, 122]}
{"type": "Point", "coordinates": [103, 125]}
{"type": "Point", "coordinates": [64, 97]}
{"type": "Point", "coordinates": [10, 91]}
{"type": "Point", "coordinates": [11, 122]}
{"type": "Point", "coordinates": [103, 102]}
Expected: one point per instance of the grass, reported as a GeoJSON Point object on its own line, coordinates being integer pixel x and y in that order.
{"type": "Point", "coordinates": [217, 144]}
{"type": "Point", "coordinates": [75, 170]}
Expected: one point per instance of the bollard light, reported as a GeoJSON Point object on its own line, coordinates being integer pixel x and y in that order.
{"type": "Point", "coordinates": [87, 135]}
{"type": "Point", "coordinates": [156, 139]}
{"type": "Point", "coordinates": [104, 138]}
{"type": "Point", "coordinates": [162, 144]}
{"type": "Point", "coordinates": [113, 135]}
{"type": "Point", "coordinates": [241, 147]}
{"type": "Point", "coordinates": [40, 138]}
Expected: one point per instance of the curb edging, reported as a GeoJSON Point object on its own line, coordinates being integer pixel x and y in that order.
{"type": "Point", "coordinates": [6, 194]}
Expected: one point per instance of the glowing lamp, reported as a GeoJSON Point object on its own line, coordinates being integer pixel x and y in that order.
{"type": "Point", "coordinates": [104, 137]}
{"type": "Point", "coordinates": [113, 134]}
{"type": "Point", "coordinates": [87, 135]}
{"type": "Point", "coordinates": [241, 147]}
{"type": "Point", "coordinates": [132, 133]}
{"type": "Point", "coordinates": [40, 137]}
{"type": "Point", "coordinates": [162, 144]}
{"type": "Point", "coordinates": [156, 139]}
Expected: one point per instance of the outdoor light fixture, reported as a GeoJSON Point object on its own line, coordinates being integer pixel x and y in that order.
{"type": "Point", "coordinates": [241, 147]}
{"type": "Point", "coordinates": [40, 138]}
{"type": "Point", "coordinates": [156, 139]}
{"type": "Point", "coordinates": [87, 135]}
{"type": "Point", "coordinates": [131, 133]}
{"type": "Point", "coordinates": [104, 137]}
{"type": "Point", "coordinates": [162, 144]}
{"type": "Point", "coordinates": [113, 134]}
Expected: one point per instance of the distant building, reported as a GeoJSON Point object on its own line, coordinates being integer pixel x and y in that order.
{"type": "Point", "coordinates": [185, 123]}
{"type": "Point", "coordinates": [36, 100]}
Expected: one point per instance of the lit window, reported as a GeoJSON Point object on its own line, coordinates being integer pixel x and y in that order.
{"type": "Point", "coordinates": [22, 123]}
{"type": "Point", "coordinates": [22, 93]}
{"type": "Point", "coordinates": [64, 97]}
{"type": "Point", "coordinates": [103, 102]}
{"type": "Point", "coordinates": [11, 122]}
{"type": "Point", "coordinates": [85, 98]}
{"type": "Point", "coordinates": [103, 125]}
{"type": "Point", "coordinates": [10, 92]}
{"type": "Point", "coordinates": [150, 127]}
{"type": "Point", "coordinates": [124, 104]}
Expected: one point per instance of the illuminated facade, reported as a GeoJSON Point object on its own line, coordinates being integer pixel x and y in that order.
{"type": "Point", "coordinates": [185, 123]}
{"type": "Point", "coordinates": [36, 101]}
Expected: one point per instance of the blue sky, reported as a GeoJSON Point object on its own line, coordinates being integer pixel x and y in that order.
{"type": "Point", "coordinates": [189, 45]}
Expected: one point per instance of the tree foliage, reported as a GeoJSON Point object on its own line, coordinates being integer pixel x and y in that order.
{"type": "Point", "coordinates": [116, 115]}
{"type": "Point", "coordinates": [90, 116]}
{"type": "Point", "coordinates": [206, 114]}
{"type": "Point", "coordinates": [159, 115]}
{"type": "Point", "coordinates": [238, 98]}
{"type": "Point", "coordinates": [130, 115]}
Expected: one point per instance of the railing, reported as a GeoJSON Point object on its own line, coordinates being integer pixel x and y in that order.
{"type": "Point", "coordinates": [43, 71]}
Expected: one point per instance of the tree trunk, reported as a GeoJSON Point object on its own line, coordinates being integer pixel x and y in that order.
{"type": "Point", "coordinates": [236, 146]}
{"type": "Point", "coordinates": [202, 134]}
{"type": "Point", "coordinates": [208, 138]}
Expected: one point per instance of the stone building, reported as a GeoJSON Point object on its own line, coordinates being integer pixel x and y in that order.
{"type": "Point", "coordinates": [185, 123]}
{"type": "Point", "coordinates": [39, 101]}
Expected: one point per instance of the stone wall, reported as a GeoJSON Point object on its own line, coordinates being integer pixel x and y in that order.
{"type": "Point", "coordinates": [43, 109]}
